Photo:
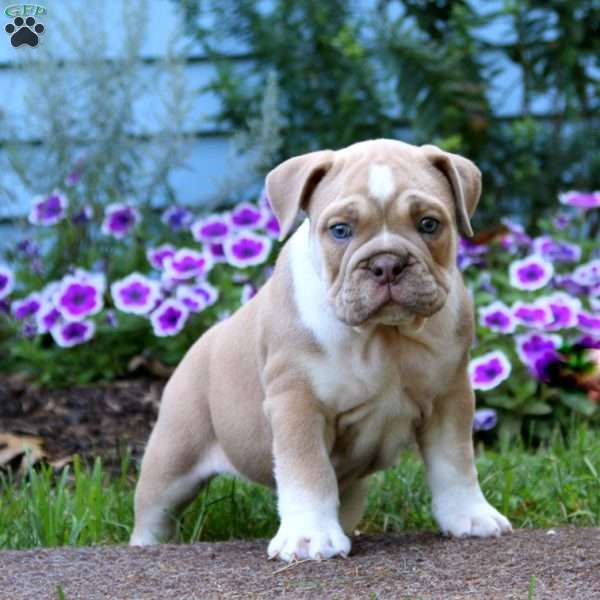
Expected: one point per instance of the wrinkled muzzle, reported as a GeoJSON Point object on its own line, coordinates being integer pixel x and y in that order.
{"type": "Point", "coordinates": [391, 287]}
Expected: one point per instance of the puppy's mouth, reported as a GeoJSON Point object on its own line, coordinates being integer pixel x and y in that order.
{"type": "Point", "coordinates": [390, 297]}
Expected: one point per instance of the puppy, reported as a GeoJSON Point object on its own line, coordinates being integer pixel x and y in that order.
{"type": "Point", "coordinates": [356, 346]}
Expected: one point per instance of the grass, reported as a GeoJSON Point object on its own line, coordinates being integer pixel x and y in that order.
{"type": "Point", "coordinates": [553, 486]}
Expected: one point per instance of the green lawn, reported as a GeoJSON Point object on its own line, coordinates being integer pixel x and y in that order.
{"type": "Point", "coordinates": [553, 486]}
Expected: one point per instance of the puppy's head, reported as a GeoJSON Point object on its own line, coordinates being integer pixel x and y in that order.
{"type": "Point", "coordinates": [384, 217]}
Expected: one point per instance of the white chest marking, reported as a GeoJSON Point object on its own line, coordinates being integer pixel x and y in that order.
{"type": "Point", "coordinates": [381, 182]}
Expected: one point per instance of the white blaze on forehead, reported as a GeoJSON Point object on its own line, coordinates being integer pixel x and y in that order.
{"type": "Point", "coordinates": [381, 182]}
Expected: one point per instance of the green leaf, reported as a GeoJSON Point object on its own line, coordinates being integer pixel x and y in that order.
{"type": "Point", "coordinates": [578, 402]}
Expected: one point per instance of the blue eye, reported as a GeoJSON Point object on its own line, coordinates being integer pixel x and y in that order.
{"type": "Point", "coordinates": [341, 231]}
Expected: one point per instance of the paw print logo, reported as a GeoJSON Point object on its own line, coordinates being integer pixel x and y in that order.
{"type": "Point", "coordinates": [24, 31]}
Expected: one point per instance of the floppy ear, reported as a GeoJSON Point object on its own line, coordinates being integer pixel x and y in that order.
{"type": "Point", "coordinates": [291, 184]}
{"type": "Point", "coordinates": [465, 178]}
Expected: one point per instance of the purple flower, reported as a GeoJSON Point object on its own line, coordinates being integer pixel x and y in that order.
{"type": "Point", "coordinates": [246, 216]}
{"type": "Point", "coordinates": [588, 322]}
{"type": "Point", "coordinates": [589, 342]}
{"type": "Point", "coordinates": [217, 252]}
{"type": "Point", "coordinates": [484, 419]}
{"type": "Point", "coordinates": [248, 292]}
{"type": "Point", "coordinates": [67, 335]}
{"type": "Point", "coordinates": [263, 201]}
{"type": "Point", "coordinates": [187, 263]}
{"type": "Point", "coordinates": [497, 317]}
{"type": "Point", "coordinates": [247, 249]}
{"type": "Point", "coordinates": [470, 253]}
{"type": "Point", "coordinates": [83, 216]}
{"type": "Point", "coordinates": [74, 177]}
{"type": "Point", "coordinates": [530, 273]}
{"type": "Point", "coordinates": [48, 210]}
{"type": "Point", "coordinates": [119, 219]}
{"type": "Point", "coordinates": [79, 296]}
{"type": "Point", "coordinates": [26, 307]}
{"type": "Point", "coordinates": [542, 365]}
{"type": "Point", "coordinates": [566, 282]}
{"type": "Point", "coordinates": [537, 314]}
{"type": "Point", "coordinates": [206, 291]}
{"type": "Point", "coordinates": [47, 317]}
{"type": "Point", "coordinates": [177, 217]}
{"type": "Point", "coordinates": [135, 294]}
{"type": "Point", "coordinates": [169, 318]}
{"type": "Point", "coordinates": [197, 297]}
{"type": "Point", "coordinates": [29, 329]}
{"type": "Point", "coordinates": [7, 281]}
{"type": "Point", "coordinates": [212, 229]}
{"type": "Point", "coordinates": [156, 256]}
{"type": "Point", "coordinates": [588, 274]}
{"type": "Point", "coordinates": [28, 248]}
{"type": "Point", "coordinates": [515, 238]}
{"type": "Point", "coordinates": [531, 345]}
{"type": "Point", "coordinates": [488, 371]}
{"type": "Point", "coordinates": [556, 251]}
{"type": "Point", "coordinates": [271, 225]}
{"type": "Point", "coordinates": [111, 318]}
{"type": "Point", "coordinates": [583, 200]}
{"type": "Point", "coordinates": [564, 310]}
{"type": "Point", "coordinates": [561, 221]}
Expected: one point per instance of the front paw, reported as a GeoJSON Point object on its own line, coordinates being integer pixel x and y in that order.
{"type": "Point", "coordinates": [474, 518]}
{"type": "Point", "coordinates": [300, 538]}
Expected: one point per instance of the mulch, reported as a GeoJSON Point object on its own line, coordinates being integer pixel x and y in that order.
{"type": "Point", "coordinates": [559, 565]}
{"type": "Point", "coordinates": [102, 420]}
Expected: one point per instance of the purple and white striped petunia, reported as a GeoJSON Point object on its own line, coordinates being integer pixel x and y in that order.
{"type": "Point", "coordinates": [536, 314]}
{"type": "Point", "coordinates": [156, 256]}
{"type": "Point", "coordinates": [246, 216]}
{"type": "Point", "coordinates": [7, 281]}
{"type": "Point", "coordinates": [556, 250]}
{"type": "Point", "coordinates": [484, 419]}
{"type": "Point", "coordinates": [26, 307]}
{"type": "Point", "coordinates": [247, 249]}
{"type": "Point", "coordinates": [542, 365]}
{"type": "Point", "coordinates": [589, 342]}
{"type": "Point", "coordinates": [490, 370]}
{"type": "Point", "coordinates": [564, 309]}
{"type": "Point", "coordinates": [531, 345]}
{"type": "Point", "coordinates": [248, 292]}
{"type": "Point", "coordinates": [169, 318]}
{"type": "Point", "coordinates": [582, 200]}
{"type": "Point", "coordinates": [67, 335]}
{"type": "Point", "coordinates": [212, 229]}
{"type": "Point", "coordinates": [79, 296]}
{"type": "Point", "coordinates": [187, 263]}
{"type": "Point", "coordinates": [497, 317]}
{"type": "Point", "coordinates": [177, 217]}
{"type": "Point", "coordinates": [588, 322]}
{"type": "Point", "coordinates": [587, 274]}
{"type": "Point", "coordinates": [135, 294]}
{"type": "Point", "coordinates": [530, 273]}
{"type": "Point", "coordinates": [561, 221]}
{"type": "Point", "coordinates": [49, 210]}
{"type": "Point", "coordinates": [119, 219]}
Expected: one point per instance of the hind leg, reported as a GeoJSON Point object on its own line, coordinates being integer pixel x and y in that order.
{"type": "Point", "coordinates": [353, 500]}
{"type": "Point", "coordinates": [182, 454]}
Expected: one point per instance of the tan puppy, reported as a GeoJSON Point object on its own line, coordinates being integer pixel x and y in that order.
{"type": "Point", "coordinates": [356, 346]}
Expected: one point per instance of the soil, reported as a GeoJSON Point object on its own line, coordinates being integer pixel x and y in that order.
{"type": "Point", "coordinates": [97, 420]}
{"type": "Point", "coordinates": [103, 420]}
{"type": "Point", "coordinates": [561, 565]}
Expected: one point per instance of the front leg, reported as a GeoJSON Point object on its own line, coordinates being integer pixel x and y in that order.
{"type": "Point", "coordinates": [307, 487]}
{"type": "Point", "coordinates": [459, 506]}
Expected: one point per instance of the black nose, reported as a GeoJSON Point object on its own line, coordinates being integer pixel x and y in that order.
{"type": "Point", "coordinates": [385, 268]}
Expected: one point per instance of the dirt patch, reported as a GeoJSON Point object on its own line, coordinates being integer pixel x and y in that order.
{"type": "Point", "coordinates": [97, 420]}
{"type": "Point", "coordinates": [418, 566]}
